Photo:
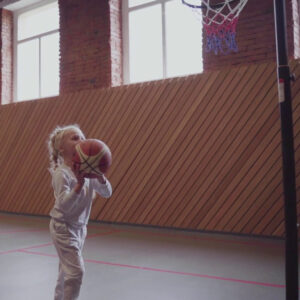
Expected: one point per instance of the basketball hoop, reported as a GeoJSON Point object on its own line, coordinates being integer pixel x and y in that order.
{"type": "Point", "coordinates": [219, 21]}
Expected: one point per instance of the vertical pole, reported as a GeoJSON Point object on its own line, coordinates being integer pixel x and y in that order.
{"type": "Point", "coordinates": [288, 159]}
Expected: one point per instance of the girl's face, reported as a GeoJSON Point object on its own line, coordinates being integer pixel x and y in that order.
{"type": "Point", "coordinates": [70, 139]}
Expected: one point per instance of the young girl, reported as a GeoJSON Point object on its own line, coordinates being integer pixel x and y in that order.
{"type": "Point", "coordinates": [69, 216]}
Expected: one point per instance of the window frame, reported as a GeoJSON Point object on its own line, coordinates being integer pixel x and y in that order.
{"type": "Point", "coordinates": [125, 31]}
{"type": "Point", "coordinates": [125, 25]}
{"type": "Point", "coordinates": [16, 15]}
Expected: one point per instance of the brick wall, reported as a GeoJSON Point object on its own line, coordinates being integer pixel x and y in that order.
{"type": "Point", "coordinates": [90, 44]}
{"type": "Point", "coordinates": [6, 55]}
{"type": "Point", "coordinates": [116, 43]}
{"type": "Point", "coordinates": [255, 36]}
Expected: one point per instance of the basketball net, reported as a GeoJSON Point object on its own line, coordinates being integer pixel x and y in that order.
{"type": "Point", "coordinates": [219, 22]}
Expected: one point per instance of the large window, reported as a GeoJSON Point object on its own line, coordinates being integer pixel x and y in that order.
{"type": "Point", "coordinates": [36, 52]}
{"type": "Point", "coordinates": [162, 39]}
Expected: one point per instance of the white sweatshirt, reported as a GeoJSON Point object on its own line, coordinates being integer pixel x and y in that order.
{"type": "Point", "coordinates": [69, 206]}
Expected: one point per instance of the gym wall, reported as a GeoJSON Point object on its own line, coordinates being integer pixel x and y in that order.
{"type": "Point", "coordinates": [199, 152]}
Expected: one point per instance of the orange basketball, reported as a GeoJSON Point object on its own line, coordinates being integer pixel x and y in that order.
{"type": "Point", "coordinates": [92, 157]}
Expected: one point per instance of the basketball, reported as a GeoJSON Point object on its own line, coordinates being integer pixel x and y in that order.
{"type": "Point", "coordinates": [92, 157]}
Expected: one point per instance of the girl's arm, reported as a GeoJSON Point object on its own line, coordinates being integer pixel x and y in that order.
{"type": "Point", "coordinates": [66, 196]}
{"type": "Point", "coordinates": [102, 186]}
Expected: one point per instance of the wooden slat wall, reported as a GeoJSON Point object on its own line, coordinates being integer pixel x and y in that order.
{"type": "Point", "coordinates": [201, 152]}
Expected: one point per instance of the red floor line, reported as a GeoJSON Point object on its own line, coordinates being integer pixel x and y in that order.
{"type": "Point", "coordinates": [49, 244]}
{"type": "Point", "coordinates": [36, 246]}
{"type": "Point", "coordinates": [166, 271]}
{"type": "Point", "coordinates": [21, 231]}
{"type": "Point", "coordinates": [189, 274]}
{"type": "Point", "coordinates": [152, 234]}
{"type": "Point", "coordinates": [181, 236]}
{"type": "Point", "coordinates": [31, 247]}
{"type": "Point", "coordinates": [8, 251]}
{"type": "Point", "coordinates": [36, 253]}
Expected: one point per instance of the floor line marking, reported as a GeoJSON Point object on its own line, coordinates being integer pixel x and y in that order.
{"type": "Point", "coordinates": [180, 236]}
{"type": "Point", "coordinates": [22, 231]}
{"type": "Point", "coordinates": [51, 243]}
{"type": "Point", "coordinates": [165, 271]}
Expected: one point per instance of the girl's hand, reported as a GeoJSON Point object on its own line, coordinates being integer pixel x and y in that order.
{"type": "Point", "coordinates": [101, 178]}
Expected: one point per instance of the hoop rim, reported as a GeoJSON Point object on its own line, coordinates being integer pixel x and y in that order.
{"type": "Point", "coordinates": [203, 6]}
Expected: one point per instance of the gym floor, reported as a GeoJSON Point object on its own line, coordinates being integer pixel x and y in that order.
{"type": "Point", "coordinates": [142, 263]}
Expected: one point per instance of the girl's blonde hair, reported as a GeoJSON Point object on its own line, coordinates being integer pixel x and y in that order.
{"type": "Point", "coordinates": [54, 143]}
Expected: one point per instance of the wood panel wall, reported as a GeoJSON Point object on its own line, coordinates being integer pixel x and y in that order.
{"type": "Point", "coordinates": [201, 152]}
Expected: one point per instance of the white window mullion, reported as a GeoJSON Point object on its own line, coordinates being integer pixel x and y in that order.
{"type": "Point", "coordinates": [125, 26]}
{"type": "Point", "coordinates": [40, 67]}
{"type": "Point", "coordinates": [164, 43]}
{"type": "Point", "coordinates": [15, 59]}
{"type": "Point", "coordinates": [38, 36]}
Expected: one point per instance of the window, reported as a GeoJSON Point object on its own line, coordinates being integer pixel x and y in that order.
{"type": "Point", "coordinates": [36, 52]}
{"type": "Point", "coordinates": [162, 39]}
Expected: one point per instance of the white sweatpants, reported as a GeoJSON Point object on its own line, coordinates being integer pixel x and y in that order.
{"type": "Point", "coordinates": [68, 242]}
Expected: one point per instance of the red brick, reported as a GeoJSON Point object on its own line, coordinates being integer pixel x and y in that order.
{"type": "Point", "coordinates": [90, 44]}
{"type": "Point", "coordinates": [256, 36]}
{"type": "Point", "coordinates": [6, 74]}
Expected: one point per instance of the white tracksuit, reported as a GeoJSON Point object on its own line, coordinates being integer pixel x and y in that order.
{"type": "Point", "coordinates": [70, 216]}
